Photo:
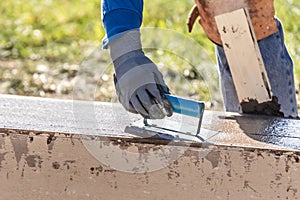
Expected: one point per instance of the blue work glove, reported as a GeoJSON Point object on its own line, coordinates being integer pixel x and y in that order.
{"type": "Point", "coordinates": [139, 84]}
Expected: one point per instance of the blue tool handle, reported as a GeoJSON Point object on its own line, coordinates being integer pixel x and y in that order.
{"type": "Point", "coordinates": [186, 106]}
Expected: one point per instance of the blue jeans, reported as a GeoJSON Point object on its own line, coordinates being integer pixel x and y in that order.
{"type": "Point", "coordinates": [279, 67]}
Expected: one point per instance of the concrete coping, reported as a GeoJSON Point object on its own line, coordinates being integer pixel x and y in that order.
{"type": "Point", "coordinates": [108, 120]}
{"type": "Point", "coordinates": [64, 149]}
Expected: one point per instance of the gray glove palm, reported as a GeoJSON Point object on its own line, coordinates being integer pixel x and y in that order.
{"type": "Point", "coordinates": [139, 84]}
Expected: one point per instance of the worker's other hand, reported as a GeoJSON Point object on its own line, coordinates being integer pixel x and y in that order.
{"type": "Point", "coordinates": [139, 84]}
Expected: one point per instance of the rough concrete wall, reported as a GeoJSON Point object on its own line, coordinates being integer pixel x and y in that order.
{"type": "Point", "coordinates": [37, 165]}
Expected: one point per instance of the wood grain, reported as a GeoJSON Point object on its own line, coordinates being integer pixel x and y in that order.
{"type": "Point", "coordinates": [243, 55]}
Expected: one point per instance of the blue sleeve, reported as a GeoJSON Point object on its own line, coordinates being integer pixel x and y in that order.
{"type": "Point", "coordinates": [119, 16]}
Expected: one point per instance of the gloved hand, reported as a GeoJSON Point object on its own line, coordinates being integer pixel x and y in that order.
{"type": "Point", "coordinates": [139, 84]}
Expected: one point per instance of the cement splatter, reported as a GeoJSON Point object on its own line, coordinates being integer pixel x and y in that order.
{"type": "Point", "coordinates": [55, 165]}
{"type": "Point", "coordinates": [2, 158]}
{"type": "Point", "coordinates": [96, 170]}
{"type": "Point", "coordinates": [20, 147]}
{"type": "Point", "coordinates": [33, 161]}
{"type": "Point", "coordinates": [50, 142]}
{"type": "Point", "coordinates": [272, 108]}
{"type": "Point", "coordinates": [2, 143]}
{"type": "Point", "coordinates": [214, 158]}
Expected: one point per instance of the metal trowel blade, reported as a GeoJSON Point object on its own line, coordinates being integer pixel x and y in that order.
{"type": "Point", "coordinates": [178, 127]}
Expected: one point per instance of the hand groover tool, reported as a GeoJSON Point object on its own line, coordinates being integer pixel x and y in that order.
{"type": "Point", "coordinates": [184, 125]}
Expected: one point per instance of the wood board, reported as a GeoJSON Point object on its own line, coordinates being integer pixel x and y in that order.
{"type": "Point", "coordinates": [243, 56]}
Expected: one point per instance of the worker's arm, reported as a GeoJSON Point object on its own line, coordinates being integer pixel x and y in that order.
{"type": "Point", "coordinates": [119, 16]}
{"type": "Point", "coordinates": [139, 84]}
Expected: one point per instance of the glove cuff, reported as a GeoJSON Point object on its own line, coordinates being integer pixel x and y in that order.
{"type": "Point", "coordinates": [128, 42]}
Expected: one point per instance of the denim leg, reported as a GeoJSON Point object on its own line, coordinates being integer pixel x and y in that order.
{"type": "Point", "coordinates": [279, 67]}
{"type": "Point", "coordinates": [230, 98]}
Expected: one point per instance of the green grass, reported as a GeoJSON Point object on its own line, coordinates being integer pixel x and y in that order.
{"type": "Point", "coordinates": [59, 33]}
{"type": "Point", "coordinates": [289, 13]}
{"type": "Point", "coordinates": [54, 30]}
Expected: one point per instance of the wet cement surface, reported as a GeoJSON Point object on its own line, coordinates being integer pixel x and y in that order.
{"type": "Point", "coordinates": [271, 108]}
{"type": "Point", "coordinates": [53, 149]}
{"type": "Point", "coordinates": [108, 119]}
{"type": "Point", "coordinates": [65, 116]}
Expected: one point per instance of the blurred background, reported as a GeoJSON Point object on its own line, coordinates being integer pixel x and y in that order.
{"type": "Point", "coordinates": [52, 48]}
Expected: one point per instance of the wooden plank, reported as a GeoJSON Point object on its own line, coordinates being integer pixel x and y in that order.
{"type": "Point", "coordinates": [244, 57]}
